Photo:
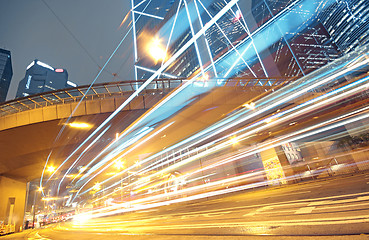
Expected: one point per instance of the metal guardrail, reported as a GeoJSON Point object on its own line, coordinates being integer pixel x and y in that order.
{"type": "Point", "coordinates": [97, 91]}
{"type": "Point", "coordinates": [111, 89]}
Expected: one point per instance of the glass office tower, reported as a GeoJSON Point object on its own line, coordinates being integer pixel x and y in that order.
{"type": "Point", "coordinates": [6, 73]}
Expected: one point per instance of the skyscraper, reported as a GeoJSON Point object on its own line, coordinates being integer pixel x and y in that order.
{"type": "Point", "coordinates": [40, 77]}
{"type": "Point", "coordinates": [6, 73]}
{"type": "Point", "coordinates": [147, 17]}
{"type": "Point", "coordinates": [338, 27]}
{"type": "Point", "coordinates": [268, 38]}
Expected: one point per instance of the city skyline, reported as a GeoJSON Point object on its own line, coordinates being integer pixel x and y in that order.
{"type": "Point", "coordinates": [244, 118]}
{"type": "Point", "coordinates": [78, 36]}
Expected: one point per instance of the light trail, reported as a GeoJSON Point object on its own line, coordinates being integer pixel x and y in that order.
{"type": "Point", "coordinates": [171, 60]}
{"type": "Point", "coordinates": [120, 156]}
{"type": "Point", "coordinates": [233, 47]}
{"type": "Point", "coordinates": [214, 184]}
{"type": "Point", "coordinates": [270, 111]}
{"type": "Point", "coordinates": [195, 42]}
{"type": "Point", "coordinates": [333, 99]}
{"type": "Point", "coordinates": [353, 66]}
{"type": "Point", "coordinates": [206, 40]}
{"type": "Point", "coordinates": [213, 19]}
{"type": "Point", "coordinates": [242, 155]}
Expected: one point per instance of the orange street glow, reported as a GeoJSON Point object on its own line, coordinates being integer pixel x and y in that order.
{"type": "Point", "coordinates": [80, 125]}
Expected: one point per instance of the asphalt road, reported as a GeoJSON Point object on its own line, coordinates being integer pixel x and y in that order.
{"type": "Point", "coordinates": [332, 208]}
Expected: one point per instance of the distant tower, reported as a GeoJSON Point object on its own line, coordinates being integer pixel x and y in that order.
{"type": "Point", "coordinates": [6, 73]}
{"type": "Point", "coordinates": [41, 77]}
{"type": "Point", "coordinates": [146, 18]}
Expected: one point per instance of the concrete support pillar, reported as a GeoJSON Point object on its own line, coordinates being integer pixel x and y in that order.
{"type": "Point", "coordinates": [360, 156]}
{"type": "Point", "coordinates": [273, 167]}
{"type": "Point", "coordinates": [12, 201]}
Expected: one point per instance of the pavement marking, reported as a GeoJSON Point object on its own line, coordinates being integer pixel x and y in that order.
{"type": "Point", "coordinates": [323, 201]}
{"type": "Point", "coordinates": [299, 222]}
{"type": "Point", "coordinates": [363, 198]}
{"type": "Point", "coordinates": [293, 193]}
{"type": "Point", "coordinates": [326, 202]}
{"type": "Point", "coordinates": [342, 207]}
{"type": "Point", "coordinates": [305, 210]}
{"type": "Point", "coordinates": [215, 214]}
{"type": "Point", "coordinates": [37, 236]}
{"type": "Point", "coordinates": [257, 211]}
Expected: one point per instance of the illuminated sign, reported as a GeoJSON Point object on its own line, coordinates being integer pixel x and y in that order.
{"type": "Point", "coordinates": [28, 81]}
{"type": "Point", "coordinates": [30, 65]}
{"type": "Point", "coordinates": [44, 65]}
{"type": "Point", "coordinates": [71, 84]}
{"type": "Point", "coordinates": [292, 152]}
{"type": "Point", "coordinates": [274, 171]}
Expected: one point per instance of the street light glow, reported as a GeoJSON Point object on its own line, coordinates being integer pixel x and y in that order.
{"type": "Point", "coordinates": [156, 50]}
{"type": "Point", "coordinates": [250, 105]}
{"type": "Point", "coordinates": [119, 165]}
{"type": "Point", "coordinates": [97, 187]}
{"type": "Point", "coordinates": [82, 169]}
{"type": "Point", "coordinates": [234, 140]}
{"type": "Point", "coordinates": [51, 169]}
{"type": "Point", "coordinates": [49, 198]}
{"type": "Point", "coordinates": [80, 125]}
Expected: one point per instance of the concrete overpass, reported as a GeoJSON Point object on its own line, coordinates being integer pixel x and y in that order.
{"type": "Point", "coordinates": [29, 127]}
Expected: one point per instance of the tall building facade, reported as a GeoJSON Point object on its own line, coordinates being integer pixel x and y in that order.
{"type": "Point", "coordinates": [335, 29]}
{"type": "Point", "coordinates": [147, 18]}
{"type": "Point", "coordinates": [268, 38]}
{"type": "Point", "coordinates": [6, 73]}
{"type": "Point", "coordinates": [40, 77]}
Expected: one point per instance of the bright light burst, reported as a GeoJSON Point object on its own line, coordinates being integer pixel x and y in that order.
{"type": "Point", "coordinates": [119, 164]}
{"type": "Point", "coordinates": [156, 50]}
{"type": "Point", "coordinates": [80, 125]}
{"type": "Point", "coordinates": [205, 163]}
{"type": "Point", "coordinates": [51, 169]}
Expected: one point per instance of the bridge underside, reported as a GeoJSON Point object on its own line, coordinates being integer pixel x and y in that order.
{"type": "Point", "coordinates": [26, 148]}
{"type": "Point", "coordinates": [34, 142]}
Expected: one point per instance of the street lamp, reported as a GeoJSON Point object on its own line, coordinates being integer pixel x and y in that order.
{"type": "Point", "coordinates": [39, 189]}
{"type": "Point", "coordinates": [234, 140]}
{"type": "Point", "coordinates": [96, 187]}
{"type": "Point", "coordinates": [156, 50]}
{"type": "Point", "coordinates": [82, 169]}
{"type": "Point", "coordinates": [51, 169]}
{"type": "Point", "coordinates": [120, 165]}
{"type": "Point", "coordinates": [250, 105]}
{"type": "Point", "coordinates": [80, 125]}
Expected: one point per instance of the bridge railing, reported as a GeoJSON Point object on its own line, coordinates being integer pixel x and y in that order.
{"type": "Point", "coordinates": [101, 90]}
{"type": "Point", "coordinates": [111, 89]}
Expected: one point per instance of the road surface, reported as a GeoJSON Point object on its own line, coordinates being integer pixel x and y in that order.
{"type": "Point", "coordinates": [331, 208]}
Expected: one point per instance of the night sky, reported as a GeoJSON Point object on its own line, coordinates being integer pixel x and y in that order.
{"type": "Point", "coordinates": [78, 35]}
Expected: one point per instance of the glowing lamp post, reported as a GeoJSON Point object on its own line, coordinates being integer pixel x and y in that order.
{"type": "Point", "coordinates": [120, 165]}
{"type": "Point", "coordinates": [156, 50]}
{"type": "Point", "coordinates": [250, 105]}
{"type": "Point", "coordinates": [80, 125]}
{"type": "Point", "coordinates": [39, 189]}
{"type": "Point", "coordinates": [51, 169]}
{"type": "Point", "coordinates": [96, 187]}
{"type": "Point", "coordinates": [234, 140]}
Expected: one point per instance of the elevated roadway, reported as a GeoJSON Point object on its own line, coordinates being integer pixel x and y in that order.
{"type": "Point", "coordinates": [30, 128]}
{"type": "Point", "coordinates": [31, 125]}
